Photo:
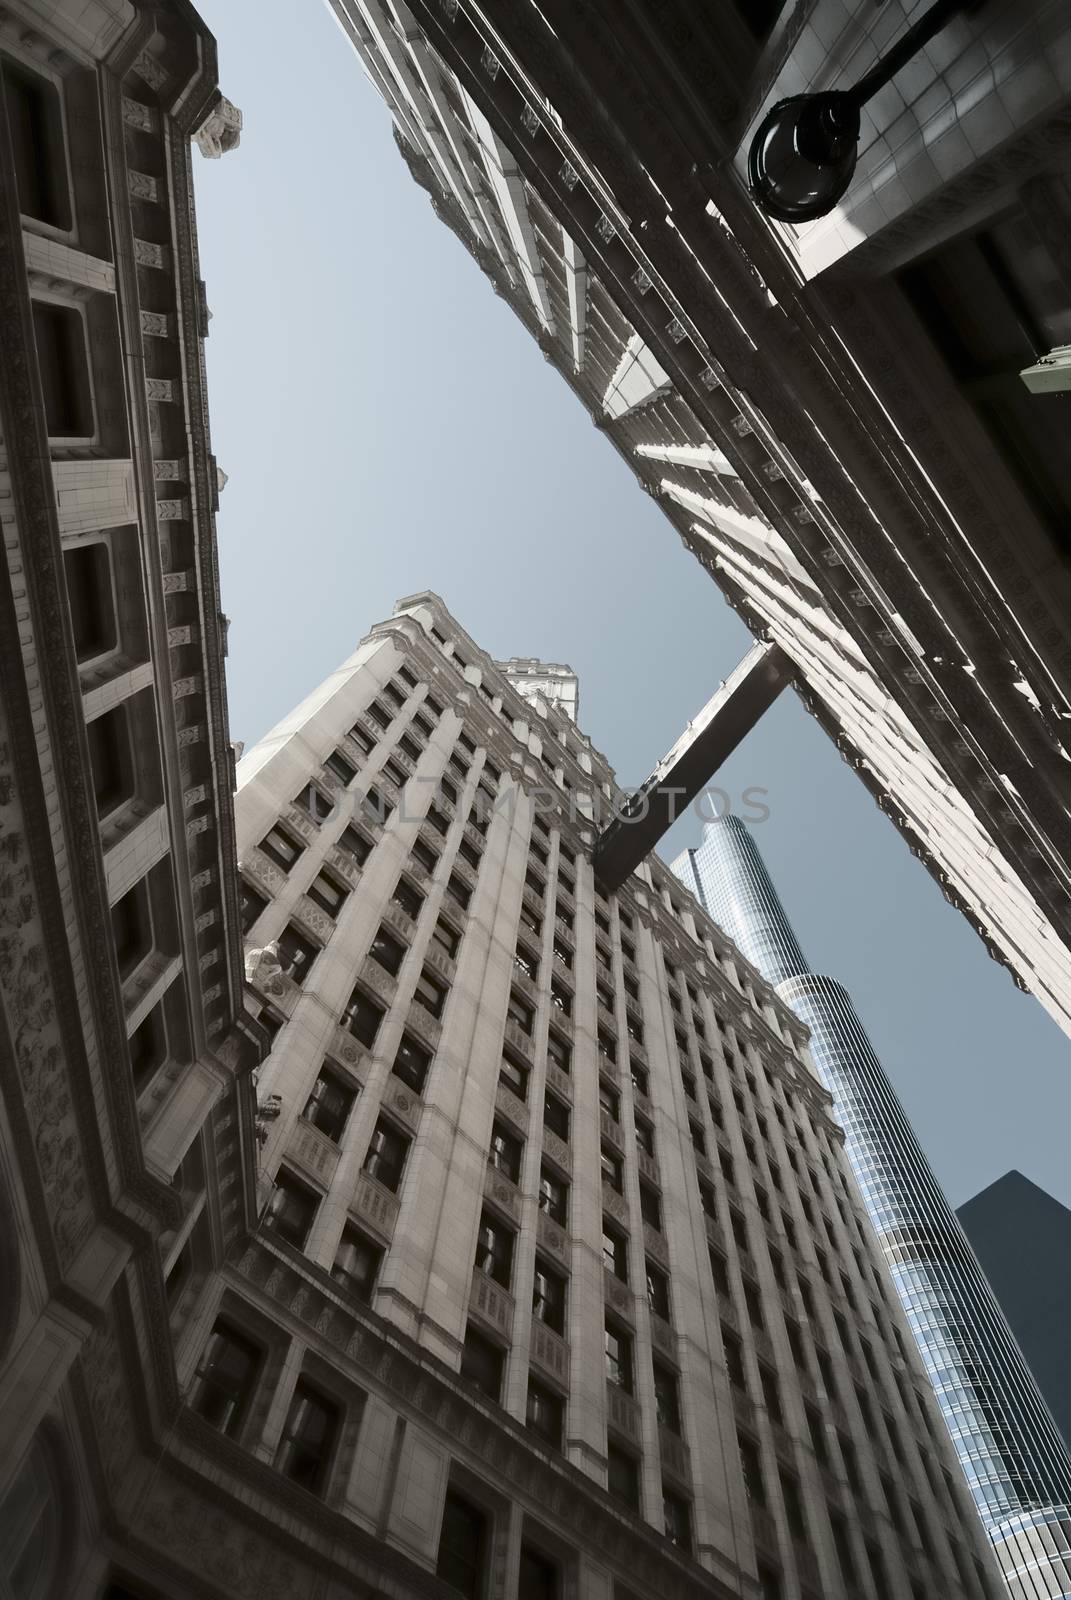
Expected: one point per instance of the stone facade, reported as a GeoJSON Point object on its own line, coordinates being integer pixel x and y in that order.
{"type": "Point", "coordinates": [554, 1217]}
{"type": "Point", "coordinates": [810, 386]}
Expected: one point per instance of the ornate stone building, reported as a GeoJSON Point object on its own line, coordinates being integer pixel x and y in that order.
{"type": "Point", "coordinates": [562, 1287]}
{"type": "Point", "coordinates": [832, 416]}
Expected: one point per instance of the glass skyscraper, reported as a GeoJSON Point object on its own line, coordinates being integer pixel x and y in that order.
{"type": "Point", "coordinates": [1015, 1462]}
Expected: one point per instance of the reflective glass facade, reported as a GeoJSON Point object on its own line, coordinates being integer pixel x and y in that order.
{"type": "Point", "coordinates": [1016, 1465]}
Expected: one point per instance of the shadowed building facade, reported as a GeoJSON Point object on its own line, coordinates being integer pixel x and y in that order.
{"type": "Point", "coordinates": [831, 416]}
{"type": "Point", "coordinates": [1022, 1237]}
{"type": "Point", "coordinates": [1015, 1462]}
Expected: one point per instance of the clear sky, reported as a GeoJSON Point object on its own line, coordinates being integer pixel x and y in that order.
{"type": "Point", "coordinates": [388, 426]}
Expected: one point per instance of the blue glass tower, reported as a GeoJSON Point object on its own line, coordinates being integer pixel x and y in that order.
{"type": "Point", "coordinates": [1014, 1459]}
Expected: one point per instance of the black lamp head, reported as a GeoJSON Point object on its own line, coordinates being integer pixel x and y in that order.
{"type": "Point", "coordinates": [803, 155]}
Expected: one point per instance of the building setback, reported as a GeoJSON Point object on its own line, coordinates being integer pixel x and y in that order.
{"type": "Point", "coordinates": [831, 421]}
{"type": "Point", "coordinates": [1022, 1237]}
{"type": "Point", "coordinates": [567, 1153]}
{"type": "Point", "coordinates": [1016, 1465]}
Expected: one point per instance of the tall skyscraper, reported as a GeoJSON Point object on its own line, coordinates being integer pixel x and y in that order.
{"type": "Point", "coordinates": [1022, 1237]}
{"type": "Point", "coordinates": [842, 419]}
{"type": "Point", "coordinates": [1016, 1465]}
{"type": "Point", "coordinates": [570, 1151]}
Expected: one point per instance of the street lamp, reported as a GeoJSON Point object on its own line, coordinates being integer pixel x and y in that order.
{"type": "Point", "coordinates": [803, 155]}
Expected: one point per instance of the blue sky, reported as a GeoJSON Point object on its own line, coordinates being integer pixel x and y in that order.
{"type": "Point", "coordinates": [387, 426]}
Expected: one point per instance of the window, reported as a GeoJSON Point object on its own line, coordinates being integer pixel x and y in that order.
{"type": "Point", "coordinates": [494, 1250]}
{"type": "Point", "coordinates": [650, 1207]}
{"type": "Point", "coordinates": [132, 929]}
{"type": "Point", "coordinates": [707, 1200]}
{"type": "Point", "coordinates": [381, 715]}
{"type": "Point", "coordinates": [410, 899]}
{"type": "Point", "coordinates": [362, 1017]}
{"type": "Point", "coordinates": [296, 953]}
{"type": "Point", "coordinates": [520, 1013]}
{"type": "Point", "coordinates": [391, 692]}
{"type": "Point", "coordinates": [538, 1577]}
{"type": "Point", "coordinates": [563, 955]}
{"type": "Point", "coordinates": [363, 739]}
{"type": "Point", "coordinates": [482, 1363]}
{"type": "Point", "coordinates": [148, 1049]}
{"type": "Point", "coordinates": [388, 951]}
{"type": "Point", "coordinates": [36, 124]}
{"type": "Point", "coordinates": [330, 1103]}
{"type": "Point", "coordinates": [357, 1263]}
{"type": "Point", "coordinates": [677, 1515]}
{"type": "Point", "coordinates": [734, 1358]}
{"type": "Point", "coordinates": [469, 853]}
{"type": "Point", "coordinates": [375, 807]}
{"type": "Point", "coordinates": [699, 1142]}
{"type": "Point", "coordinates": [513, 1075]}
{"type": "Point", "coordinates": [644, 1137]}
{"type": "Point", "coordinates": [618, 1348]}
{"type": "Point", "coordinates": [770, 1587]}
{"type": "Point", "coordinates": [60, 337]}
{"type": "Point", "coordinates": [506, 1151]}
{"type": "Point", "coordinates": [545, 1413]}
{"type": "Point", "coordinates": [615, 1251]}
{"type": "Point", "coordinates": [342, 769]}
{"type": "Point", "coordinates": [225, 1378]}
{"type": "Point", "coordinates": [252, 904]}
{"type": "Point", "coordinates": [385, 1160]}
{"type": "Point", "coordinates": [719, 1272]}
{"type": "Point", "coordinates": [561, 999]}
{"type": "Point", "coordinates": [431, 993]}
{"type": "Point", "coordinates": [411, 1063]}
{"type": "Point", "coordinates": [553, 1196]}
{"type": "Point", "coordinates": [409, 748]}
{"type": "Point", "coordinates": [559, 1051]}
{"type": "Point", "coordinates": [446, 939]}
{"type": "Point", "coordinates": [640, 1080]}
{"type": "Point", "coordinates": [657, 1292]}
{"type": "Point", "coordinates": [790, 1494]}
{"type": "Point", "coordinates": [610, 1101]}
{"type": "Point", "coordinates": [438, 820]}
{"type": "Point", "coordinates": [751, 1471]}
{"type": "Point", "coordinates": [612, 1171]}
{"type": "Point", "coordinates": [355, 843]}
{"type": "Point", "coordinates": [308, 1438]}
{"type": "Point", "coordinates": [462, 1558]}
{"type": "Point", "coordinates": [290, 1209]}
{"type": "Point", "coordinates": [87, 570]}
{"type": "Point", "coordinates": [458, 891]}
{"type": "Point", "coordinates": [328, 893]}
{"type": "Point", "coordinates": [314, 803]}
{"type": "Point", "coordinates": [424, 855]}
{"type": "Point", "coordinates": [396, 773]}
{"type": "Point", "coordinates": [110, 760]}
{"type": "Point", "coordinates": [527, 961]}
{"type": "Point", "coordinates": [771, 1393]}
{"type": "Point", "coordinates": [548, 1297]}
{"type": "Point", "coordinates": [556, 1116]}
{"type": "Point", "coordinates": [623, 1476]}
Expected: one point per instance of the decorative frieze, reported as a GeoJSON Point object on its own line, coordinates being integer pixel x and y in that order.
{"type": "Point", "coordinates": [142, 185]}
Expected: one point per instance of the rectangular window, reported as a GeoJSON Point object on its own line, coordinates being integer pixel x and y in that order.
{"type": "Point", "coordinates": [650, 1207]}
{"type": "Point", "coordinates": [132, 929]}
{"type": "Point", "coordinates": [375, 806]}
{"type": "Point", "coordinates": [252, 904]}
{"type": "Point", "coordinates": [545, 1413]}
{"type": "Point", "coordinates": [482, 1363]}
{"type": "Point", "coordinates": [527, 961]}
{"type": "Point", "coordinates": [357, 1263]}
{"type": "Point", "coordinates": [330, 1103]}
{"type": "Point", "coordinates": [446, 938]}
{"type": "Point", "coordinates": [559, 1051]}
{"type": "Point", "coordinates": [314, 803]}
{"type": "Point", "coordinates": [290, 1209]}
{"type": "Point", "coordinates": [411, 1063]}
{"type": "Point", "coordinates": [463, 1543]}
{"type": "Point", "coordinates": [281, 846]}
{"type": "Point", "coordinates": [355, 844]}
{"type": "Point", "coordinates": [644, 1137]}
{"type": "Point", "coordinates": [225, 1378]}
{"type": "Point", "coordinates": [328, 893]}
{"type": "Point", "coordinates": [640, 1081]}
{"type": "Point", "coordinates": [612, 1171]}
{"type": "Point", "coordinates": [619, 1357]}
{"type": "Point", "coordinates": [494, 1250]}
{"type": "Point", "coordinates": [556, 1116]}
{"type": "Point", "coordinates": [657, 1292]}
{"type": "Point", "coordinates": [423, 854]}
{"type": "Point", "coordinates": [388, 951]}
{"type": "Point", "coordinates": [520, 1013]}
{"type": "Point", "coordinates": [623, 1476]}
{"type": "Point", "coordinates": [410, 899]}
{"type": "Point", "coordinates": [469, 853]}
{"type": "Point", "coordinates": [615, 1251]}
{"type": "Point", "coordinates": [396, 773]}
{"type": "Point", "coordinates": [553, 1196]}
{"type": "Point", "coordinates": [506, 1152]}
{"type": "Point", "coordinates": [751, 1471]}
{"type": "Point", "coordinates": [677, 1519]}
{"type": "Point", "coordinates": [308, 1438]}
{"type": "Point", "coordinates": [431, 993]}
{"type": "Point", "coordinates": [539, 1578]}
{"type": "Point", "coordinates": [513, 1075]}
{"type": "Point", "coordinates": [342, 769]}
{"type": "Point", "coordinates": [458, 891]}
{"type": "Point", "coordinates": [60, 337]}
{"type": "Point", "coordinates": [296, 953]}
{"type": "Point", "coordinates": [362, 739]}
{"type": "Point", "coordinates": [548, 1297]}
{"type": "Point", "coordinates": [609, 1101]}
{"type": "Point", "coordinates": [734, 1358]}
{"type": "Point", "coordinates": [385, 1160]}
{"type": "Point", "coordinates": [362, 1017]}
{"type": "Point", "coordinates": [381, 715]}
